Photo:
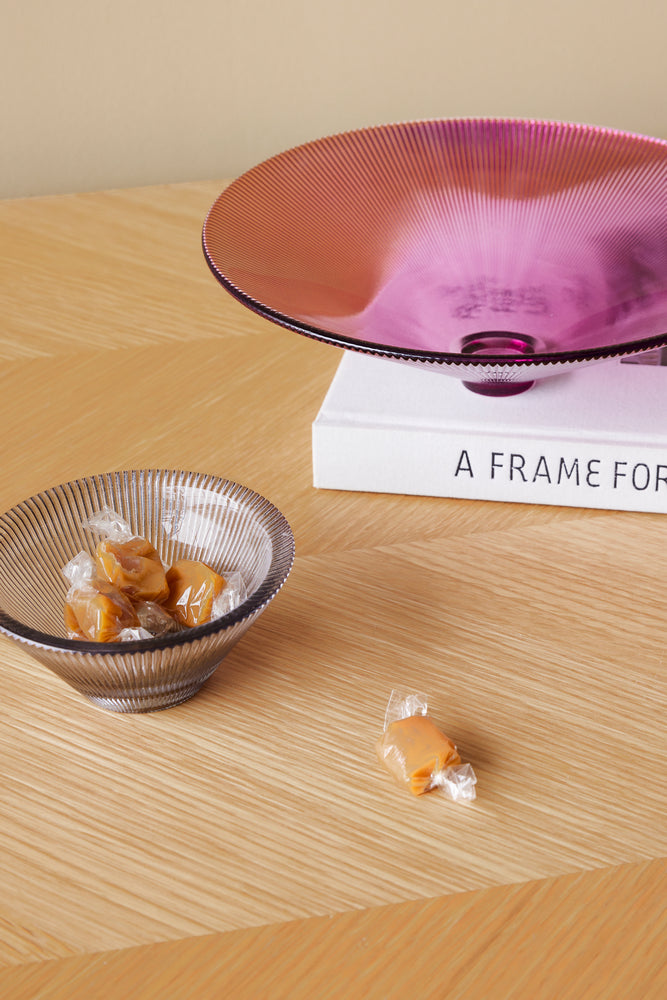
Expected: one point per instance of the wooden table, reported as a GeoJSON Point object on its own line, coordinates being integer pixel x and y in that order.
{"type": "Point", "coordinates": [248, 844]}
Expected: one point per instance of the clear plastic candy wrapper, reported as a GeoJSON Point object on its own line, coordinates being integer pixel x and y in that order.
{"type": "Point", "coordinates": [123, 592]}
{"type": "Point", "coordinates": [418, 754]}
{"type": "Point", "coordinates": [155, 620]}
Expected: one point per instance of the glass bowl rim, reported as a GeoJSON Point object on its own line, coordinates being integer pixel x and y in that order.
{"type": "Point", "coordinates": [282, 560]}
{"type": "Point", "coordinates": [620, 349]}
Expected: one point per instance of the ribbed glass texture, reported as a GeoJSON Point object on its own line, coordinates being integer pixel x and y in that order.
{"type": "Point", "coordinates": [185, 515]}
{"type": "Point", "coordinates": [493, 250]}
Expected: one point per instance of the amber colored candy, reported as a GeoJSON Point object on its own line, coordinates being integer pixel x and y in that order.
{"type": "Point", "coordinates": [71, 624]}
{"type": "Point", "coordinates": [193, 587]}
{"type": "Point", "coordinates": [99, 612]}
{"type": "Point", "coordinates": [134, 567]}
{"type": "Point", "coordinates": [414, 749]}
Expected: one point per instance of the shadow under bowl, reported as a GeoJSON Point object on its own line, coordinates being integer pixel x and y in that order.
{"type": "Point", "coordinates": [186, 516]}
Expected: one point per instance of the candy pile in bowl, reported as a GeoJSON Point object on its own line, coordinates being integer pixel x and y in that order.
{"type": "Point", "coordinates": [124, 592]}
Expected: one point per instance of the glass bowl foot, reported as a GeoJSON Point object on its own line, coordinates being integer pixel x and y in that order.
{"type": "Point", "coordinates": [149, 702]}
{"type": "Point", "coordinates": [498, 388]}
{"type": "Point", "coordinates": [496, 344]}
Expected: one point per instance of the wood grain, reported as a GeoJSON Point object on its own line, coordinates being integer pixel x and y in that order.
{"type": "Point", "coordinates": [168, 846]}
{"type": "Point", "coordinates": [248, 842]}
{"type": "Point", "coordinates": [534, 941]}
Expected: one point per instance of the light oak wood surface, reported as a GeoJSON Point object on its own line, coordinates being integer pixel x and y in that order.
{"type": "Point", "coordinates": [248, 843]}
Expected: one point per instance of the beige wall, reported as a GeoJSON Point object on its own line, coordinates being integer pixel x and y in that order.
{"type": "Point", "coordinates": [111, 93]}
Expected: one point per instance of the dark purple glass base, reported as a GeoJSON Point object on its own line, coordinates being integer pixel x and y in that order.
{"type": "Point", "coordinates": [498, 388]}
{"type": "Point", "coordinates": [499, 344]}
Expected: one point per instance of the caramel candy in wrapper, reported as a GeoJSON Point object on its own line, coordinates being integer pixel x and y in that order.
{"type": "Point", "coordinates": [133, 566]}
{"type": "Point", "coordinates": [414, 751]}
{"type": "Point", "coordinates": [418, 754]}
{"type": "Point", "coordinates": [193, 587]}
{"type": "Point", "coordinates": [99, 612]}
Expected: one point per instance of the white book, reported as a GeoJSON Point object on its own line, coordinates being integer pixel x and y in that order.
{"type": "Point", "coordinates": [595, 437]}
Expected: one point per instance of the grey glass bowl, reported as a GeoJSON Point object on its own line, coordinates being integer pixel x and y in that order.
{"type": "Point", "coordinates": [185, 515]}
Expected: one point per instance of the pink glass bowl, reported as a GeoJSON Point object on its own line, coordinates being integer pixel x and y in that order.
{"type": "Point", "coordinates": [497, 251]}
{"type": "Point", "coordinates": [185, 515]}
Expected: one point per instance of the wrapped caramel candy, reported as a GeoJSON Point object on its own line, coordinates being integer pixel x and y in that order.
{"type": "Point", "coordinates": [193, 588]}
{"type": "Point", "coordinates": [418, 754]}
{"type": "Point", "coordinates": [126, 560]}
{"type": "Point", "coordinates": [95, 609]}
{"type": "Point", "coordinates": [134, 567]}
{"type": "Point", "coordinates": [98, 611]}
{"type": "Point", "coordinates": [414, 749]}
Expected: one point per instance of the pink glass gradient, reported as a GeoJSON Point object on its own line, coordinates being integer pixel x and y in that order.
{"type": "Point", "coordinates": [497, 251]}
